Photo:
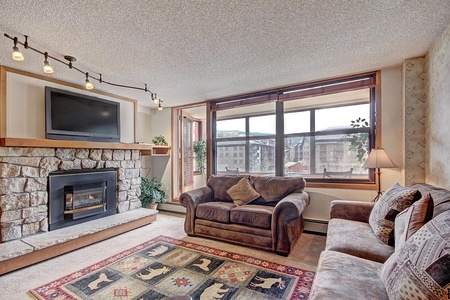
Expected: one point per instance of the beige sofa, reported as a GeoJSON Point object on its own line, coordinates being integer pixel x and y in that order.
{"type": "Point", "coordinates": [357, 265]}
{"type": "Point", "coordinates": [273, 221]}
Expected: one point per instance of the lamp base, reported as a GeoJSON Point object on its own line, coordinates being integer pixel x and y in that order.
{"type": "Point", "coordinates": [377, 197]}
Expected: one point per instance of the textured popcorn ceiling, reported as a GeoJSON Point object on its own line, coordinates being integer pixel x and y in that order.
{"type": "Point", "coordinates": [190, 51]}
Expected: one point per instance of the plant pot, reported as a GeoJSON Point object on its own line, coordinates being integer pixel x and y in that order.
{"type": "Point", "coordinates": [153, 205]}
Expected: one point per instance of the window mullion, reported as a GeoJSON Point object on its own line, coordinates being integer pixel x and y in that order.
{"type": "Point", "coordinates": [247, 144]}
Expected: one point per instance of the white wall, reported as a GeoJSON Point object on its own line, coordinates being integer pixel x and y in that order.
{"type": "Point", "coordinates": [25, 108]}
{"type": "Point", "coordinates": [152, 123]}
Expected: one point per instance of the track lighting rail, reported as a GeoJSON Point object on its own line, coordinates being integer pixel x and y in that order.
{"type": "Point", "coordinates": [19, 57]}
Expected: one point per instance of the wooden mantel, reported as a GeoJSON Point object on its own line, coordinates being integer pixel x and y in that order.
{"type": "Point", "coordinates": [44, 143]}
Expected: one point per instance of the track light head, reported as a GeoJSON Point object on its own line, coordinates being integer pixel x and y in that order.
{"type": "Point", "coordinates": [47, 68]}
{"type": "Point", "coordinates": [159, 106]}
{"type": "Point", "coordinates": [89, 86]}
{"type": "Point", "coordinates": [17, 55]}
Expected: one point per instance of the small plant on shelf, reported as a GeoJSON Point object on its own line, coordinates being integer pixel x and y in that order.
{"type": "Point", "coordinates": [159, 140]}
{"type": "Point", "coordinates": [152, 192]}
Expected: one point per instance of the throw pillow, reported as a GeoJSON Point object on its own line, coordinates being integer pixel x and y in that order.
{"type": "Point", "coordinates": [382, 216]}
{"type": "Point", "coordinates": [242, 192]}
{"type": "Point", "coordinates": [421, 268]}
{"type": "Point", "coordinates": [412, 219]}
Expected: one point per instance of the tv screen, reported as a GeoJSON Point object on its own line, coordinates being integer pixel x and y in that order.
{"type": "Point", "coordinates": [72, 116]}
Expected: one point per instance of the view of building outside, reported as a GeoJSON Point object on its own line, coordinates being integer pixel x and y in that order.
{"type": "Point", "coordinates": [330, 143]}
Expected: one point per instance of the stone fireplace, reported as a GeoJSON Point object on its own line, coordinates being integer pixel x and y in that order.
{"type": "Point", "coordinates": [24, 185]}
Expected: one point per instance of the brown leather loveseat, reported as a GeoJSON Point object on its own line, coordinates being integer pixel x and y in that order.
{"type": "Point", "coordinates": [273, 221]}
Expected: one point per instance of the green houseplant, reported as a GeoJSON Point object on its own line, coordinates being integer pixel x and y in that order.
{"type": "Point", "coordinates": [152, 192]}
{"type": "Point", "coordinates": [200, 154]}
{"type": "Point", "coordinates": [359, 142]}
{"type": "Point", "coordinates": [159, 140]}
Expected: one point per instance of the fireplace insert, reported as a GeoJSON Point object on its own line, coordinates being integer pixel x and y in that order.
{"type": "Point", "coordinates": [78, 196]}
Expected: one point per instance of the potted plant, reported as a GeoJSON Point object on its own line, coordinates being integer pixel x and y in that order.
{"type": "Point", "coordinates": [152, 192]}
{"type": "Point", "coordinates": [200, 154]}
{"type": "Point", "coordinates": [159, 140]}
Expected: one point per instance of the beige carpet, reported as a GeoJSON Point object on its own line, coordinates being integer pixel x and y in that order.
{"type": "Point", "coordinates": [17, 284]}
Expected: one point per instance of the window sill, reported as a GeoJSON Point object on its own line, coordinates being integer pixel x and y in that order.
{"type": "Point", "coordinates": [339, 185]}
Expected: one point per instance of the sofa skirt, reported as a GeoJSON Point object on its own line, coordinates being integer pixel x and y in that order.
{"type": "Point", "coordinates": [244, 235]}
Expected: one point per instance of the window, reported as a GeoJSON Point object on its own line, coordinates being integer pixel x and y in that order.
{"type": "Point", "coordinates": [321, 131]}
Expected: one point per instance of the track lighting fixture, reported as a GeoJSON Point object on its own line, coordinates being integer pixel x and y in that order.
{"type": "Point", "coordinates": [89, 86]}
{"type": "Point", "coordinates": [18, 56]}
{"type": "Point", "coordinates": [47, 68]}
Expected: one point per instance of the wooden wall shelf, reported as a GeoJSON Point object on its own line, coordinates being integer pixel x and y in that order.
{"type": "Point", "coordinates": [44, 143]}
{"type": "Point", "coordinates": [157, 151]}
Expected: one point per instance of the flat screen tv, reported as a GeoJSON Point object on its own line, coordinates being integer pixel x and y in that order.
{"type": "Point", "coordinates": [72, 116]}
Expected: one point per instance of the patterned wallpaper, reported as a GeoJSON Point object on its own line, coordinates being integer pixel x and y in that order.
{"type": "Point", "coordinates": [415, 121]}
{"type": "Point", "coordinates": [438, 121]}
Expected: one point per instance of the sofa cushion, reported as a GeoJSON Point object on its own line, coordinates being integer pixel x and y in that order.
{"type": "Point", "coordinates": [356, 238]}
{"type": "Point", "coordinates": [275, 188]}
{"type": "Point", "coordinates": [441, 197]}
{"type": "Point", "coordinates": [252, 215]}
{"type": "Point", "coordinates": [383, 214]}
{"type": "Point", "coordinates": [214, 211]}
{"type": "Point", "coordinates": [220, 184]}
{"type": "Point", "coordinates": [242, 192]}
{"type": "Point", "coordinates": [421, 268]}
{"type": "Point", "coordinates": [343, 276]}
{"type": "Point", "coordinates": [412, 219]}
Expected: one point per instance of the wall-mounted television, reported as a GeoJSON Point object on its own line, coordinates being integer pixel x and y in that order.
{"type": "Point", "coordinates": [72, 116]}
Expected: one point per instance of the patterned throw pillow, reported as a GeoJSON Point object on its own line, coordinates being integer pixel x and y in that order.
{"type": "Point", "coordinates": [412, 219]}
{"type": "Point", "coordinates": [382, 216]}
{"type": "Point", "coordinates": [242, 192]}
{"type": "Point", "coordinates": [421, 268]}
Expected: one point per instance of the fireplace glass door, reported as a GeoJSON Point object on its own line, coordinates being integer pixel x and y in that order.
{"type": "Point", "coordinates": [84, 200]}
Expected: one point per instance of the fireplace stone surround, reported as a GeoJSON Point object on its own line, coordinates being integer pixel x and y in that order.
{"type": "Point", "coordinates": [24, 182]}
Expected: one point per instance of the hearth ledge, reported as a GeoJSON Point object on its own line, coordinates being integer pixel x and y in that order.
{"type": "Point", "coordinates": [39, 242]}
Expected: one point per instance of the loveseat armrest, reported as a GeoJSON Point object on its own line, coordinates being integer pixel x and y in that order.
{"type": "Point", "coordinates": [287, 221]}
{"type": "Point", "coordinates": [190, 200]}
{"type": "Point", "coordinates": [351, 210]}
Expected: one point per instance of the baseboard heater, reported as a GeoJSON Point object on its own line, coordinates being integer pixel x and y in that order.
{"type": "Point", "coordinates": [316, 226]}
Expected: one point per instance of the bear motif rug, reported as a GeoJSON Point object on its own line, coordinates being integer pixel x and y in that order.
{"type": "Point", "coordinates": [166, 267]}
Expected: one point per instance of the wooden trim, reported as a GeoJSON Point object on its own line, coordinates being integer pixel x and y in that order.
{"type": "Point", "coordinates": [55, 250]}
{"type": "Point", "coordinates": [291, 88]}
{"type": "Point", "coordinates": [378, 141]}
{"type": "Point", "coordinates": [2, 102]}
{"type": "Point", "coordinates": [43, 143]}
{"type": "Point", "coordinates": [76, 86]}
{"type": "Point", "coordinates": [335, 185]}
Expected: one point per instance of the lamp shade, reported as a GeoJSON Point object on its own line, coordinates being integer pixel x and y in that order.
{"type": "Point", "coordinates": [378, 158]}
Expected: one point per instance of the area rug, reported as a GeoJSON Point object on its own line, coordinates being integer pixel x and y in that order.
{"type": "Point", "coordinates": [167, 267]}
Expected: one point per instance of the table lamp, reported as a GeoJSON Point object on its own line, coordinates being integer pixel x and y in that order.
{"type": "Point", "coordinates": [378, 159]}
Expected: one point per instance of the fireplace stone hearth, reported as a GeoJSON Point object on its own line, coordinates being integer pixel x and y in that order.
{"type": "Point", "coordinates": [24, 183]}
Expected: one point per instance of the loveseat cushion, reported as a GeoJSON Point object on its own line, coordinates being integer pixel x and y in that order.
{"type": "Point", "coordinates": [220, 185]}
{"type": "Point", "coordinates": [259, 216]}
{"type": "Point", "coordinates": [215, 211]}
{"type": "Point", "coordinates": [356, 238]}
{"type": "Point", "coordinates": [343, 276]}
{"type": "Point", "coordinates": [275, 188]}
{"type": "Point", "coordinates": [382, 217]}
{"type": "Point", "coordinates": [421, 268]}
